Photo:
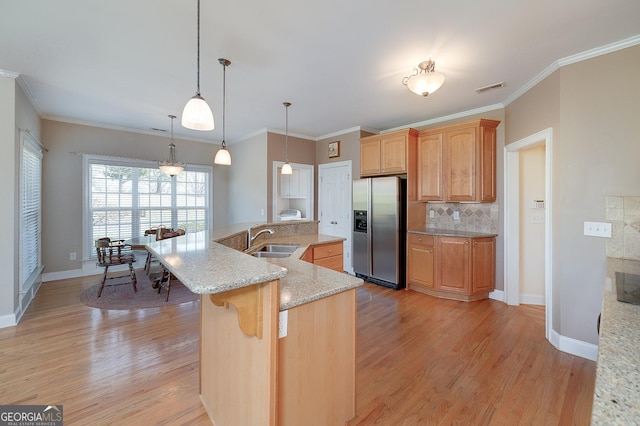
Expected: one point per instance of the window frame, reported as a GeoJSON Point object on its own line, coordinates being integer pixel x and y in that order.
{"type": "Point", "coordinates": [90, 159]}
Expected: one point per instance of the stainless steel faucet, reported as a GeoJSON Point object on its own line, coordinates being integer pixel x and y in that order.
{"type": "Point", "coordinates": [251, 238]}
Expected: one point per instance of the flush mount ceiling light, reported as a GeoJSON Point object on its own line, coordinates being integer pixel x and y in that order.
{"type": "Point", "coordinates": [223, 156]}
{"type": "Point", "coordinates": [171, 166]}
{"type": "Point", "coordinates": [286, 167]}
{"type": "Point", "coordinates": [424, 79]}
{"type": "Point", "coordinates": [196, 114]}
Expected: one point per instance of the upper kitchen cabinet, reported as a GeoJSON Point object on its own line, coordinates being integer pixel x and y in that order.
{"type": "Point", "coordinates": [387, 154]}
{"type": "Point", "coordinates": [458, 163]}
{"type": "Point", "coordinates": [295, 185]}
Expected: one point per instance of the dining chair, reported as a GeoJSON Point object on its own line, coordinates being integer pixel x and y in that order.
{"type": "Point", "coordinates": [114, 253]}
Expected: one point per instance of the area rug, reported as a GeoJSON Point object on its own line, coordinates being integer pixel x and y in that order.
{"type": "Point", "coordinates": [121, 296]}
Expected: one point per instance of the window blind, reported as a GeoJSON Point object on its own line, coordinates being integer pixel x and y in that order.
{"type": "Point", "coordinates": [31, 195]}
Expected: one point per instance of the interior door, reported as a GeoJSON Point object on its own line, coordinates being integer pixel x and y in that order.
{"type": "Point", "coordinates": [334, 204]}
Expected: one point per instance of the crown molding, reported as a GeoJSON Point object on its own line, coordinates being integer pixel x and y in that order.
{"type": "Point", "coordinates": [125, 129]}
{"type": "Point", "coordinates": [9, 74]}
{"type": "Point", "coordinates": [578, 57]}
{"type": "Point", "coordinates": [449, 117]}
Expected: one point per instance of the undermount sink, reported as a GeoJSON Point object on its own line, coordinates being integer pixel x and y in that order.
{"type": "Point", "coordinates": [271, 254]}
{"type": "Point", "coordinates": [275, 250]}
{"type": "Point", "coordinates": [278, 248]}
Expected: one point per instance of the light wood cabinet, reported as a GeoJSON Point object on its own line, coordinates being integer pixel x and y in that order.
{"type": "Point", "coordinates": [458, 163]}
{"type": "Point", "coordinates": [451, 267]}
{"type": "Point", "coordinates": [326, 255]}
{"type": "Point", "coordinates": [388, 154]}
{"type": "Point", "coordinates": [420, 261]}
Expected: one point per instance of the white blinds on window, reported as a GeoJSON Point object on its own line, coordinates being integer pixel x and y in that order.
{"type": "Point", "coordinates": [31, 189]}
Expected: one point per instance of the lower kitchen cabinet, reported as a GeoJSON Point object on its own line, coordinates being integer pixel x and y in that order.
{"type": "Point", "coordinates": [451, 267]}
{"type": "Point", "coordinates": [327, 255]}
{"type": "Point", "coordinates": [420, 262]}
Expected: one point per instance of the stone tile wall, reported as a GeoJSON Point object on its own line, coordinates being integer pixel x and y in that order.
{"type": "Point", "coordinates": [624, 214]}
{"type": "Point", "coordinates": [473, 217]}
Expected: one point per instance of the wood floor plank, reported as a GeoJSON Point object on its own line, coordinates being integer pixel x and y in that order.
{"type": "Point", "coordinates": [421, 361]}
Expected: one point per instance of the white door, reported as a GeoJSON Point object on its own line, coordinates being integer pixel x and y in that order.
{"type": "Point", "coordinates": [334, 204]}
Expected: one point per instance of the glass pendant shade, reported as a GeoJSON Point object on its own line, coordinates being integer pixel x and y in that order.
{"type": "Point", "coordinates": [171, 166]}
{"type": "Point", "coordinates": [425, 84]}
{"type": "Point", "coordinates": [223, 157]}
{"type": "Point", "coordinates": [197, 115]}
{"type": "Point", "coordinates": [286, 169]}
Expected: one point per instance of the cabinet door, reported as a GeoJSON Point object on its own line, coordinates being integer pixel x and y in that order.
{"type": "Point", "coordinates": [285, 185]}
{"type": "Point", "coordinates": [454, 265]}
{"type": "Point", "coordinates": [483, 261]}
{"type": "Point", "coordinates": [488, 164]}
{"type": "Point", "coordinates": [370, 157]}
{"type": "Point", "coordinates": [294, 183]}
{"type": "Point", "coordinates": [420, 265]}
{"type": "Point", "coordinates": [460, 164]}
{"type": "Point", "coordinates": [394, 154]}
{"type": "Point", "coordinates": [430, 167]}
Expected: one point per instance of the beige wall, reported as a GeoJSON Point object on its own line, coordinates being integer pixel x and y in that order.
{"type": "Point", "coordinates": [300, 151]}
{"type": "Point", "coordinates": [593, 109]}
{"type": "Point", "coordinates": [15, 113]}
{"type": "Point", "coordinates": [247, 196]}
{"type": "Point", "coordinates": [9, 140]}
{"type": "Point", "coordinates": [62, 179]}
{"type": "Point", "coordinates": [532, 171]}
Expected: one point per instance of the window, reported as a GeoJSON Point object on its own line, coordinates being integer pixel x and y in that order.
{"type": "Point", "coordinates": [30, 214]}
{"type": "Point", "coordinates": [126, 197]}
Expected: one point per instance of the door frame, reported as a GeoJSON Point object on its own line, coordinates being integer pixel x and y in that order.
{"type": "Point", "coordinates": [512, 222]}
{"type": "Point", "coordinates": [321, 167]}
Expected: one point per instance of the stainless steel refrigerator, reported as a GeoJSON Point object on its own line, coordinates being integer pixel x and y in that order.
{"type": "Point", "coordinates": [379, 229]}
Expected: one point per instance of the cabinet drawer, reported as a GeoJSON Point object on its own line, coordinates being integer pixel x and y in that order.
{"type": "Point", "coordinates": [327, 250]}
{"type": "Point", "coordinates": [331, 262]}
{"type": "Point", "coordinates": [420, 239]}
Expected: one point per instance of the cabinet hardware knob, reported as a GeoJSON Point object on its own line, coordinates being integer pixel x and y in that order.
{"type": "Point", "coordinates": [466, 242]}
{"type": "Point", "coordinates": [429, 251]}
{"type": "Point", "coordinates": [419, 240]}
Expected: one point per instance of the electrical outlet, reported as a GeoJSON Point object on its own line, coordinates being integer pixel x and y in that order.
{"type": "Point", "coordinates": [597, 229]}
{"type": "Point", "coordinates": [72, 255]}
{"type": "Point", "coordinates": [432, 213]}
{"type": "Point", "coordinates": [283, 318]}
{"type": "Point", "coordinates": [456, 215]}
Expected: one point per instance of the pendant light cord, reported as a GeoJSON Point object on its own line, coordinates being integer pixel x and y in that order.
{"type": "Point", "coordinates": [224, 102]}
{"type": "Point", "coordinates": [198, 55]}
{"type": "Point", "coordinates": [286, 131]}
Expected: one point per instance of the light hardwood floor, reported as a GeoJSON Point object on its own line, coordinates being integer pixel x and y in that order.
{"type": "Point", "coordinates": [421, 360]}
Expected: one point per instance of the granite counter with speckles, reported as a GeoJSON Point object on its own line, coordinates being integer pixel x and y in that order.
{"type": "Point", "coordinates": [436, 232]}
{"type": "Point", "coordinates": [617, 392]}
{"type": "Point", "coordinates": [206, 267]}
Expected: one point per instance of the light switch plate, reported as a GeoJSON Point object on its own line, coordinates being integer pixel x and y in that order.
{"type": "Point", "coordinates": [597, 229]}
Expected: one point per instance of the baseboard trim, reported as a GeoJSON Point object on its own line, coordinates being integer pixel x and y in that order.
{"type": "Point", "coordinates": [574, 346]}
{"type": "Point", "coordinates": [532, 299]}
{"type": "Point", "coordinates": [8, 320]}
{"type": "Point", "coordinates": [61, 275]}
{"type": "Point", "coordinates": [497, 295]}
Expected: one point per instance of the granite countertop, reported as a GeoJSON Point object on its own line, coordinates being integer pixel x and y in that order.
{"type": "Point", "coordinates": [449, 233]}
{"type": "Point", "coordinates": [207, 267]}
{"type": "Point", "coordinates": [617, 391]}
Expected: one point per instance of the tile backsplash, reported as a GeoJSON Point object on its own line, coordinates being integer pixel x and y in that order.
{"type": "Point", "coordinates": [624, 214]}
{"type": "Point", "coordinates": [472, 217]}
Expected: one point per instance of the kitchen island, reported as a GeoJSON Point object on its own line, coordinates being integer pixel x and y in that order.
{"type": "Point", "coordinates": [248, 375]}
{"type": "Point", "coordinates": [616, 399]}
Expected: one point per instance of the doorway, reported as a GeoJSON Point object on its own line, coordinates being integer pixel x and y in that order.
{"type": "Point", "coordinates": [335, 182]}
{"type": "Point", "coordinates": [514, 213]}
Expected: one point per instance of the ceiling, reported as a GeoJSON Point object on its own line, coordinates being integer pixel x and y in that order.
{"type": "Point", "coordinates": [128, 64]}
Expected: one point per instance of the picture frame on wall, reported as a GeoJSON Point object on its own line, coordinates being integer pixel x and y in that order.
{"type": "Point", "coordinates": [334, 149]}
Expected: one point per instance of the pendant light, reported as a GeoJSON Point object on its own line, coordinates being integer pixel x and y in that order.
{"type": "Point", "coordinates": [196, 114]}
{"type": "Point", "coordinates": [223, 156]}
{"type": "Point", "coordinates": [171, 166]}
{"type": "Point", "coordinates": [286, 167]}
